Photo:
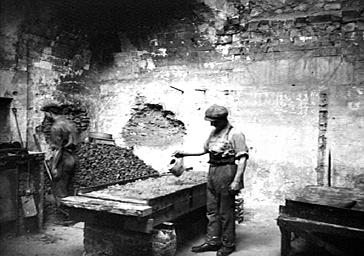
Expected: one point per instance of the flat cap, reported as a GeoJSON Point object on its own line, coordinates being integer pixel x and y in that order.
{"type": "Point", "coordinates": [216, 112]}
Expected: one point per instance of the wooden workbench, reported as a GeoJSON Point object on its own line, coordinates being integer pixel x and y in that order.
{"type": "Point", "coordinates": [332, 218]}
{"type": "Point", "coordinates": [116, 225]}
{"type": "Point", "coordinates": [135, 214]}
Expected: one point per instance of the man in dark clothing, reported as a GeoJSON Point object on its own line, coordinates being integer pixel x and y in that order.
{"type": "Point", "coordinates": [63, 138]}
{"type": "Point", "coordinates": [228, 155]}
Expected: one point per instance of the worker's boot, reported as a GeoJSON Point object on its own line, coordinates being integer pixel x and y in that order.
{"type": "Point", "coordinates": [224, 251]}
{"type": "Point", "coordinates": [205, 247]}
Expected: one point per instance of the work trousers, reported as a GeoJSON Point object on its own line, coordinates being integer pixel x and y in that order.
{"type": "Point", "coordinates": [63, 172]}
{"type": "Point", "coordinates": [221, 205]}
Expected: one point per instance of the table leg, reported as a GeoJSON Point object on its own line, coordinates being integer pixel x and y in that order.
{"type": "Point", "coordinates": [285, 241]}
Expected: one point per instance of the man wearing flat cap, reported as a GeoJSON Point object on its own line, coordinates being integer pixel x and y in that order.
{"type": "Point", "coordinates": [228, 155]}
{"type": "Point", "coordinates": [63, 137]}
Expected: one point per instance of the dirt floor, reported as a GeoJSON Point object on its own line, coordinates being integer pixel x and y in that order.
{"type": "Point", "coordinates": [258, 235]}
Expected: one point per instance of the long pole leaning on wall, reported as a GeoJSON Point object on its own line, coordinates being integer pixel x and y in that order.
{"type": "Point", "coordinates": [27, 93]}
{"type": "Point", "coordinates": [323, 162]}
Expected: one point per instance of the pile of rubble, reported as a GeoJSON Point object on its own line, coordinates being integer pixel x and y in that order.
{"type": "Point", "coordinates": [101, 163]}
{"type": "Point", "coordinates": [155, 187]}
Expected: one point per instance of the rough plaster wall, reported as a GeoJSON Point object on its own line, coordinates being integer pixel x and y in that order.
{"type": "Point", "coordinates": [346, 122]}
{"type": "Point", "coordinates": [277, 58]}
{"type": "Point", "coordinates": [281, 124]}
{"type": "Point", "coordinates": [41, 62]}
{"type": "Point", "coordinates": [266, 60]}
{"type": "Point", "coordinates": [12, 85]}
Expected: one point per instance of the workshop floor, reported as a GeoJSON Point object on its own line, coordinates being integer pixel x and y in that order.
{"type": "Point", "coordinates": [258, 235]}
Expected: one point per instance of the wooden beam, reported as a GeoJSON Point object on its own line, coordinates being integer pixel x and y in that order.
{"type": "Point", "coordinates": [111, 220]}
{"type": "Point", "coordinates": [320, 227]}
{"type": "Point", "coordinates": [323, 213]}
{"type": "Point", "coordinates": [311, 235]}
{"type": "Point", "coordinates": [332, 196]}
{"type": "Point", "coordinates": [120, 208]}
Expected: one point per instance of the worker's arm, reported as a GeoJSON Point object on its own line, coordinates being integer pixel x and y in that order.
{"type": "Point", "coordinates": [241, 158]}
{"type": "Point", "coordinates": [238, 182]}
{"type": "Point", "coordinates": [202, 151]}
{"type": "Point", "coordinates": [179, 154]}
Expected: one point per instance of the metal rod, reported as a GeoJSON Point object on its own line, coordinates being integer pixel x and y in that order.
{"type": "Point", "coordinates": [27, 93]}
{"type": "Point", "coordinates": [17, 126]}
{"type": "Point", "coordinates": [177, 89]}
{"type": "Point", "coordinates": [329, 170]}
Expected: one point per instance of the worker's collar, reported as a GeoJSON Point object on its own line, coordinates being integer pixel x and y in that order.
{"type": "Point", "coordinates": [225, 128]}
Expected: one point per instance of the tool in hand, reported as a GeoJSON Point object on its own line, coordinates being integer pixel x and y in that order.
{"type": "Point", "coordinates": [44, 161]}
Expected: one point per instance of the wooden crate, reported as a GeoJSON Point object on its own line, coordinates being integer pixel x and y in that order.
{"type": "Point", "coordinates": [324, 215]}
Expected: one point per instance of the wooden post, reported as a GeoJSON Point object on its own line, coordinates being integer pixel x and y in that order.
{"type": "Point", "coordinates": [41, 196]}
{"type": "Point", "coordinates": [285, 241]}
{"type": "Point", "coordinates": [322, 138]}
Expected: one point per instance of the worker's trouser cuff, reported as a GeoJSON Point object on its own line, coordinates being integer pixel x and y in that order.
{"type": "Point", "coordinates": [214, 240]}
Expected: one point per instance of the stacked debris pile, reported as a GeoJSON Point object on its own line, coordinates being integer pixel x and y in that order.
{"type": "Point", "coordinates": [101, 163]}
{"type": "Point", "coordinates": [154, 187]}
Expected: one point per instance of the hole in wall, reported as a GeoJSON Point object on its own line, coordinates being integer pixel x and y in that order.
{"type": "Point", "coordinates": [152, 125]}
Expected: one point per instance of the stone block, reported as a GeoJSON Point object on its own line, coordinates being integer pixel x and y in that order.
{"type": "Point", "coordinates": [253, 25]}
{"type": "Point", "coordinates": [301, 7]}
{"type": "Point", "coordinates": [351, 15]}
{"type": "Point", "coordinates": [320, 19]}
{"type": "Point", "coordinates": [351, 36]}
{"type": "Point", "coordinates": [288, 24]}
{"type": "Point", "coordinates": [43, 65]}
{"type": "Point", "coordinates": [256, 37]}
{"type": "Point", "coordinates": [332, 6]}
{"type": "Point", "coordinates": [235, 51]}
{"type": "Point", "coordinates": [227, 39]}
{"type": "Point", "coordinates": [360, 25]}
{"type": "Point", "coordinates": [327, 51]}
{"type": "Point", "coordinates": [349, 27]}
{"type": "Point", "coordinates": [255, 12]}
{"type": "Point", "coordinates": [301, 21]}
{"type": "Point", "coordinates": [100, 240]}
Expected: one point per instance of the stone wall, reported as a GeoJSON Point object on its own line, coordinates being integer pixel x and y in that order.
{"type": "Point", "coordinates": [100, 240]}
{"type": "Point", "coordinates": [270, 62]}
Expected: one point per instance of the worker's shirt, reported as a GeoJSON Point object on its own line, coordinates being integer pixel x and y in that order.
{"type": "Point", "coordinates": [226, 146]}
{"type": "Point", "coordinates": [63, 133]}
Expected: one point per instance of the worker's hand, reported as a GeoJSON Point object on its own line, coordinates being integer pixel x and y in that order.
{"type": "Point", "coordinates": [235, 187]}
{"type": "Point", "coordinates": [56, 175]}
{"type": "Point", "coordinates": [178, 154]}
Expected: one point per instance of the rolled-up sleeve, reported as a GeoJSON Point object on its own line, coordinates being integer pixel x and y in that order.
{"type": "Point", "coordinates": [239, 144]}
